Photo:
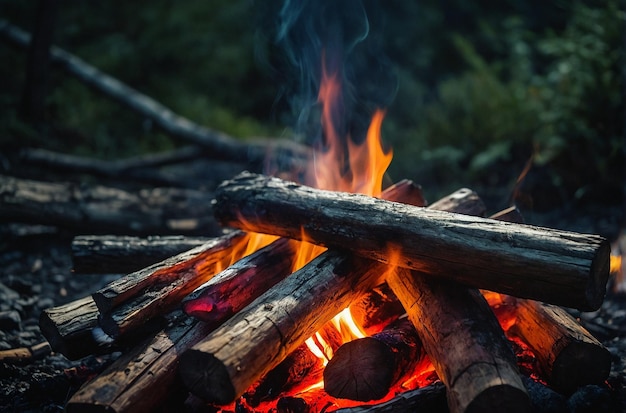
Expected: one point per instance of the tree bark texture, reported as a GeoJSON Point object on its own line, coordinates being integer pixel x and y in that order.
{"type": "Point", "coordinates": [69, 328]}
{"type": "Point", "coordinates": [464, 342]}
{"type": "Point", "coordinates": [142, 378]}
{"type": "Point", "coordinates": [569, 356]}
{"type": "Point", "coordinates": [550, 265]}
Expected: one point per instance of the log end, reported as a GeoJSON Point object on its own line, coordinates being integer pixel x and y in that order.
{"type": "Point", "coordinates": [361, 370]}
{"type": "Point", "coordinates": [579, 364]}
{"type": "Point", "coordinates": [206, 376]}
{"type": "Point", "coordinates": [598, 277]}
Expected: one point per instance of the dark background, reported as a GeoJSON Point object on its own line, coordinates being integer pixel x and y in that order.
{"type": "Point", "coordinates": [483, 89]}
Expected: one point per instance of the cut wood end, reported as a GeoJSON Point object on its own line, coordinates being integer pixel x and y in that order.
{"type": "Point", "coordinates": [360, 370]}
{"type": "Point", "coordinates": [599, 276]}
{"type": "Point", "coordinates": [206, 376]}
{"type": "Point", "coordinates": [578, 364]}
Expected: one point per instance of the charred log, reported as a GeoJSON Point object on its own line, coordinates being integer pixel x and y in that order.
{"type": "Point", "coordinates": [365, 369]}
{"type": "Point", "coordinates": [98, 209]}
{"type": "Point", "coordinates": [129, 302]}
{"type": "Point", "coordinates": [256, 339]}
{"type": "Point", "coordinates": [110, 254]}
{"type": "Point", "coordinates": [559, 267]}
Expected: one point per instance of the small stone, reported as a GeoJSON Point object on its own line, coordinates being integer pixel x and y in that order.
{"type": "Point", "coordinates": [591, 399]}
{"type": "Point", "coordinates": [10, 320]}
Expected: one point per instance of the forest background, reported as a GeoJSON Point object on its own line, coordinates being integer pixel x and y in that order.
{"type": "Point", "coordinates": [484, 89]}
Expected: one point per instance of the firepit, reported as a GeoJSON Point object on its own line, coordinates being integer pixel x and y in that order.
{"type": "Point", "coordinates": [310, 286]}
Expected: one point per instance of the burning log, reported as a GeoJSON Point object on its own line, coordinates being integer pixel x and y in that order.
{"type": "Point", "coordinates": [256, 339]}
{"type": "Point", "coordinates": [99, 209]}
{"type": "Point", "coordinates": [290, 374]}
{"type": "Point", "coordinates": [464, 342]}
{"type": "Point", "coordinates": [431, 398]}
{"type": "Point", "coordinates": [559, 267]}
{"type": "Point", "coordinates": [142, 378]}
{"type": "Point", "coordinates": [110, 254]}
{"type": "Point", "coordinates": [190, 264]}
{"type": "Point", "coordinates": [241, 351]}
{"type": "Point", "coordinates": [127, 303]}
{"type": "Point", "coordinates": [380, 307]}
{"type": "Point", "coordinates": [383, 360]}
{"type": "Point", "coordinates": [239, 284]}
{"type": "Point", "coordinates": [569, 356]}
{"type": "Point", "coordinates": [365, 369]}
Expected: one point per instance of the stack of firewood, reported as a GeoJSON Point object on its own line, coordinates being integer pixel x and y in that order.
{"type": "Point", "coordinates": [416, 279]}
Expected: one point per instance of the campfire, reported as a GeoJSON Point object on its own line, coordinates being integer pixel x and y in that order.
{"type": "Point", "coordinates": [334, 294]}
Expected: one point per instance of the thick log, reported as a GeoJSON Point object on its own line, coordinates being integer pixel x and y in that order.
{"type": "Point", "coordinates": [141, 168]}
{"type": "Point", "coordinates": [256, 339]}
{"type": "Point", "coordinates": [464, 342]}
{"type": "Point", "coordinates": [123, 254]}
{"type": "Point", "coordinates": [143, 378]}
{"type": "Point", "coordinates": [365, 369]}
{"type": "Point", "coordinates": [569, 356]}
{"type": "Point", "coordinates": [380, 307]}
{"type": "Point", "coordinates": [197, 262]}
{"type": "Point", "coordinates": [129, 302]}
{"type": "Point", "coordinates": [297, 371]}
{"type": "Point", "coordinates": [240, 283]}
{"type": "Point", "coordinates": [555, 266]}
{"type": "Point", "coordinates": [98, 209]}
{"type": "Point", "coordinates": [278, 154]}
{"type": "Point", "coordinates": [69, 328]}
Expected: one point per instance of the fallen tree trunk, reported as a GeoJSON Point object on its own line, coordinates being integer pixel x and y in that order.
{"type": "Point", "coordinates": [550, 265]}
{"type": "Point", "coordinates": [278, 154]}
{"type": "Point", "coordinates": [238, 285]}
{"type": "Point", "coordinates": [99, 209]}
{"type": "Point", "coordinates": [365, 369]}
{"type": "Point", "coordinates": [110, 254]}
{"type": "Point", "coordinates": [140, 168]}
{"type": "Point", "coordinates": [256, 339]}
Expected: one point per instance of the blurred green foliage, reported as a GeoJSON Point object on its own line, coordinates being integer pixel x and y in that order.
{"type": "Point", "coordinates": [482, 89]}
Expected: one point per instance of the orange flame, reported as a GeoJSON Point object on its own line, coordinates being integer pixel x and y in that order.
{"type": "Point", "coordinates": [349, 167]}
